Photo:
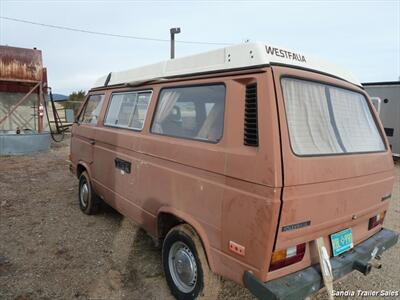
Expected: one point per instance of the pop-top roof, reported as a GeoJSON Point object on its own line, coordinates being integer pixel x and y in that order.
{"type": "Point", "coordinates": [233, 57]}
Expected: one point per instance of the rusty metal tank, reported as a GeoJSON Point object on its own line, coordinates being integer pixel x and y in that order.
{"type": "Point", "coordinates": [20, 64]}
{"type": "Point", "coordinates": [21, 73]}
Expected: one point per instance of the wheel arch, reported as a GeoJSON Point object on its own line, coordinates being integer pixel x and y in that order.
{"type": "Point", "coordinates": [179, 217]}
{"type": "Point", "coordinates": [82, 167]}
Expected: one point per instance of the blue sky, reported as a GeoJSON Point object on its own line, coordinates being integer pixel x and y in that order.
{"type": "Point", "coordinates": [363, 36]}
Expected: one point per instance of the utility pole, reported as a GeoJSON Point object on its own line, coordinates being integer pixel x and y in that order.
{"type": "Point", "coordinates": [173, 31]}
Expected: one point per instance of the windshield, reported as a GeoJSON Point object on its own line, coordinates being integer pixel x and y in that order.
{"type": "Point", "coordinates": [324, 119]}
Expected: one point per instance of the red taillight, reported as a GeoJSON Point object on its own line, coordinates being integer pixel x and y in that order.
{"type": "Point", "coordinates": [283, 258]}
{"type": "Point", "coordinates": [376, 220]}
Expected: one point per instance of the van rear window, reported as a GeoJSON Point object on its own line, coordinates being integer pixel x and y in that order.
{"type": "Point", "coordinates": [324, 119]}
{"type": "Point", "coordinates": [195, 112]}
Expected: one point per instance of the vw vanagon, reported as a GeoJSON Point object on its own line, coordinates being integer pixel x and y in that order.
{"type": "Point", "coordinates": [236, 161]}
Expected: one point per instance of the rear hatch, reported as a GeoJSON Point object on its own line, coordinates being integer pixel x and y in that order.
{"type": "Point", "coordinates": [338, 171]}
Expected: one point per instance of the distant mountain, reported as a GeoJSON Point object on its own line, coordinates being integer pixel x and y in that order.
{"type": "Point", "coordinates": [59, 97]}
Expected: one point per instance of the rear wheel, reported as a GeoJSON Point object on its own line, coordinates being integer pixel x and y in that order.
{"type": "Point", "coordinates": [88, 200]}
{"type": "Point", "coordinates": [185, 265]}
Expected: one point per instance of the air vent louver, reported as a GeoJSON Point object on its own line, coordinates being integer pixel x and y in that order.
{"type": "Point", "coordinates": [250, 116]}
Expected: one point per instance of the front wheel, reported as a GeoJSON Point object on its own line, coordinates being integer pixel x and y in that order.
{"type": "Point", "coordinates": [185, 265]}
{"type": "Point", "coordinates": [88, 200]}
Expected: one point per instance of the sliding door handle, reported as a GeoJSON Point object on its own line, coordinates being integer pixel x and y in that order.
{"type": "Point", "coordinates": [123, 165]}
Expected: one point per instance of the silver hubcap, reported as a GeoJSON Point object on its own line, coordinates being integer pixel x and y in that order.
{"type": "Point", "coordinates": [84, 194]}
{"type": "Point", "coordinates": [182, 266]}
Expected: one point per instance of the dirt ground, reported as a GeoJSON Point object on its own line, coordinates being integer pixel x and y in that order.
{"type": "Point", "coordinates": [50, 250]}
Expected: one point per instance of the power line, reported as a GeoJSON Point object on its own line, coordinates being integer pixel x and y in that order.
{"type": "Point", "coordinates": [110, 34]}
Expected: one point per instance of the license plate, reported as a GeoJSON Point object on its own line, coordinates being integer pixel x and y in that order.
{"type": "Point", "coordinates": [342, 241]}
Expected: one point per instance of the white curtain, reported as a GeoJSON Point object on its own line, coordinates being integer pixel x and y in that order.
{"type": "Point", "coordinates": [355, 122]}
{"type": "Point", "coordinates": [307, 113]}
{"type": "Point", "coordinates": [114, 109]}
{"type": "Point", "coordinates": [323, 119]}
{"type": "Point", "coordinates": [212, 127]}
{"type": "Point", "coordinates": [97, 103]}
{"type": "Point", "coordinates": [166, 104]}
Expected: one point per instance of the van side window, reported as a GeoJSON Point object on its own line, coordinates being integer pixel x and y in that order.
{"type": "Point", "coordinates": [195, 112]}
{"type": "Point", "coordinates": [90, 113]}
{"type": "Point", "coordinates": [128, 110]}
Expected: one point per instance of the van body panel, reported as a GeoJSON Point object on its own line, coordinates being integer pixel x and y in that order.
{"type": "Point", "coordinates": [339, 205]}
{"type": "Point", "coordinates": [332, 206]}
{"type": "Point", "coordinates": [207, 185]}
{"type": "Point", "coordinates": [230, 192]}
{"type": "Point", "coordinates": [300, 170]}
{"type": "Point", "coordinates": [327, 193]}
{"type": "Point", "coordinates": [250, 221]}
{"type": "Point", "coordinates": [213, 176]}
{"type": "Point", "coordinates": [108, 148]}
{"type": "Point", "coordinates": [211, 253]}
{"type": "Point", "coordinates": [83, 137]}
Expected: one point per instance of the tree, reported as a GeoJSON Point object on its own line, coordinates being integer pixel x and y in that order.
{"type": "Point", "coordinates": [74, 101]}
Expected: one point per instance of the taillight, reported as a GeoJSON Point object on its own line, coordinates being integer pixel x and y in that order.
{"type": "Point", "coordinates": [283, 258]}
{"type": "Point", "coordinates": [376, 220]}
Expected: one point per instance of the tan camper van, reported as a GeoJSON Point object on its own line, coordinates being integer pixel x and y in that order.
{"type": "Point", "coordinates": [236, 161]}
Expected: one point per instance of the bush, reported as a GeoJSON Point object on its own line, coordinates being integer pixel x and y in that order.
{"type": "Point", "coordinates": [74, 101]}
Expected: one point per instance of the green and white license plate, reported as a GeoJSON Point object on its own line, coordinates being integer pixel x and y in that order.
{"type": "Point", "coordinates": [342, 241]}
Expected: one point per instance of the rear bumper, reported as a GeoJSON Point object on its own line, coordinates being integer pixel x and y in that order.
{"type": "Point", "coordinates": [303, 283]}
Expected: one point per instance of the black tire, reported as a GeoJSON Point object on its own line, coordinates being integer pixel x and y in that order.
{"type": "Point", "coordinates": [206, 285]}
{"type": "Point", "coordinates": [88, 204]}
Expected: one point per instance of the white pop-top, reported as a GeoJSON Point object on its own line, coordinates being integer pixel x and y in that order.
{"type": "Point", "coordinates": [233, 57]}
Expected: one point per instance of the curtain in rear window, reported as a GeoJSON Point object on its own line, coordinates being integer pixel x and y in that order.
{"type": "Point", "coordinates": [354, 120]}
{"type": "Point", "coordinates": [323, 119]}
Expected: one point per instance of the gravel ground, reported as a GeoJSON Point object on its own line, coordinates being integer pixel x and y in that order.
{"type": "Point", "coordinates": [50, 250]}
